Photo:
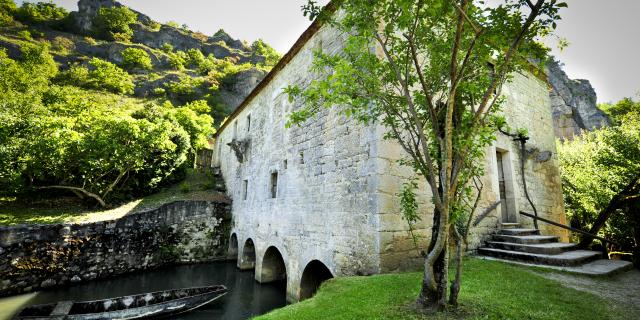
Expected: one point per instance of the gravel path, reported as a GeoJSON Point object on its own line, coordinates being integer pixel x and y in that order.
{"type": "Point", "coordinates": [622, 289]}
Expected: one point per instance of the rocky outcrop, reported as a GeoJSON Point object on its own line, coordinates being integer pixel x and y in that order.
{"type": "Point", "coordinates": [573, 103]}
{"type": "Point", "coordinates": [235, 89]}
{"type": "Point", "coordinates": [221, 45]}
{"type": "Point", "coordinates": [87, 10]}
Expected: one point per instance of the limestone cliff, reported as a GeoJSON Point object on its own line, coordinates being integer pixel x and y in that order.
{"type": "Point", "coordinates": [573, 104]}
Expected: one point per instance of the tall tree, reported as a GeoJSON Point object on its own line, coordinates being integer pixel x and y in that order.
{"type": "Point", "coordinates": [431, 71]}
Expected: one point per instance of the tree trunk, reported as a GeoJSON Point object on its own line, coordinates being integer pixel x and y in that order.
{"type": "Point", "coordinates": [81, 190]}
{"type": "Point", "coordinates": [604, 215]}
{"type": "Point", "coordinates": [433, 298]}
{"type": "Point", "coordinates": [455, 285]}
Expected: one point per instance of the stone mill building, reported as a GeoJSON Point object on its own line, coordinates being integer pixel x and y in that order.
{"type": "Point", "coordinates": [320, 200]}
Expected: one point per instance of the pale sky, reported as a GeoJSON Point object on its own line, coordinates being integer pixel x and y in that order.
{"type": "Point", "coordinates": [604, 35]}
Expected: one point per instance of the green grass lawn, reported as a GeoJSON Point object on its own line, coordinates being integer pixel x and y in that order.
{"type": "Point", "coordinates": [196, 186]}
{"type": "Point", "coordinates": [491, 290]}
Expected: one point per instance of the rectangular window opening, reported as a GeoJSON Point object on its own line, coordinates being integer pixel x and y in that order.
{"type": "Point", "coordinates": [235, 129]}
{"type": "Point", "coordinates": [284, 164]}
{"type": "Point", "coordinates": [274, 184]}
{"type": "Point", "coordinates": [245, 184]}
{"type": "Point", "coordinates": [248, 123]}
{"type": "Point", "coordinates": [301, 157]}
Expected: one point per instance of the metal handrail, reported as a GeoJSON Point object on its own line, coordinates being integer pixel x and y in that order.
{"type": "Point", "coordinates": [567, 227]}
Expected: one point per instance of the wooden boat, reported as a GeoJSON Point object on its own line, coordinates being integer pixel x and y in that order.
{"type": "Point", "coordinates": [140, 306]}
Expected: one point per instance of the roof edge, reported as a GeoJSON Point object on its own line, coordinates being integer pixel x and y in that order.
{"type": "Point", "coordinates": [331, 7]}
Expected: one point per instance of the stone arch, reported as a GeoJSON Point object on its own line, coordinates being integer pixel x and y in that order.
{"type": "Point", "coordinates": [313, 275]}
{"type": "Point", "coordinates": [273, 266]}
{"type": "Point", "coordinates": [248, 258]}
{"type": "Point", "coordinates": [232, 251]}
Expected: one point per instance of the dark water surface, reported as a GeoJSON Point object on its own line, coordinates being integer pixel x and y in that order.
{"type": "Point", "coordinates": [246, 297]}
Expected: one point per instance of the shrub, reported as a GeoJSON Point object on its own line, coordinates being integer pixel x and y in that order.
{"type": "Point", "coordinates": [104, 74]}
{"type": "Point", "coordinates": [196, 58]}
{"type": "Point", "coordinates": [7, 9]}
{"type": "Point", "coordinates": [159, 92]}
{"type": "Point", "coordinates": [185, 187]}
{"type": "Point", "coordinates": [25, 34]}
{"type": "Point", "coordinates": [76, 75]}
{"type": "Point", "coordinates": [90, 41]}
{"type": "Point", "coordinates": [5, 18]}
{"type": "Point", "coordinates": [184, 89]}
{"type": "Point", "coordinates": [136, 58]}
{"type": "Point", "coordinates": [63, 45]}
{"type": "Point", "coordinates": [271, 56]}
{"type": "Point", "coordinates": [112, 23]}
{"type": "Point", "coordinates": [167, 47]}
{"type": "Point", "coordinates": [177, 60]}
{"type": "Point", "coordinates": [41, 13]}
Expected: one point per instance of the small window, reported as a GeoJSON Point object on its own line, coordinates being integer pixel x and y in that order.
{"type": "Point", "coordinates": [301, 157]}
{"type": "Point", "coordinates": [245, 184]}
{"type": "Point", "coordinates": [235, 129]}
{"type": "Point", "coordinates": [248, 123]}
{"type": "Point", "coordinates": [284, 163]}
{"type": "Point", "coordinates": [274, 184]}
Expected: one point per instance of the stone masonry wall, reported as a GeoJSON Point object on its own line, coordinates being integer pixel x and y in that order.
{"type": "Point", "coordinates": [41, 256]}
{"type": "Point", "coordinates": [324, 208]}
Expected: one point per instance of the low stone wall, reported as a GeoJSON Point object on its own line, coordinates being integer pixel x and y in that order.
{"type": "Point", "coordinates": [40, 256]}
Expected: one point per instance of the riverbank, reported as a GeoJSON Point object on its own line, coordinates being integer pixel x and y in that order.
{"type": "Point", "coordinates": [197, 186]}
{"type": "Point", "coordinates": [491, 290]}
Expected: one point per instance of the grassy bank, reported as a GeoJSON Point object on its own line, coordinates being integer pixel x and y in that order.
{"type": "Point", "coordinates": [196, 186]}
{"type": "Point", "coordinates": [491, 290]}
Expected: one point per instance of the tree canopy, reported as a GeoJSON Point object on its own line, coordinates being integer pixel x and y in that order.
{"type": "Point", "coordinates": [601, 177]}
{"type": "Point", "coordinates": [96, 144]}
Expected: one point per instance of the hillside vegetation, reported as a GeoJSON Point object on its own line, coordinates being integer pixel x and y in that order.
{"type": "Point", "coordinates": [107, 104]}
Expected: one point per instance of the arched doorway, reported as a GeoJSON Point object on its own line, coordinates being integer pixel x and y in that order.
{"type": "Point", "coordinates": [273, 267]}
{"type": "Point", "coordinates": [313, 275]}
{"type": "Point", "coordinates": [248, 259]}
{"type": "Point", "coordinates": [232, 251]}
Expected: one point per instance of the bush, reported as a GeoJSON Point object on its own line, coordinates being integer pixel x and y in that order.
{"type": "Point", "coordinates": [76, 75]}
{"type": "Point", "coordinates": [177, 60]}
{"type": "Point", "coordinates": [167, 47]}
{"type": "Point", "coordinates": [196, 58]}
{"type": "Point", "coordinates": [114, 23]}
{"type": "Point", "coordinates": [63, 45]}
{"type": "Point", "coordinates": [271, 56]}
{"type": "Point", "coordinates": [7, 10]}
{"type": "Point", "coordinates": [185, 89]}
{"type": "Point", "coordinates": [136, 58]}
{"type": "Point", "coordinates": [596, 167]}
{"type": "Point", "coordinates": [90, 41]}
{"type": "Point", "coordinates": [25, 34]}
{"type": "Point", "coordinates": [104, 74]}
{"type": "Point", "coordinates": [41, 13]}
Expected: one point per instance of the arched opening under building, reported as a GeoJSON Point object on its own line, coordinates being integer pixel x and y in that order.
{"type": "Point", "coordinates": [232, 251]}
{"type": "Point", "coordinates": [312, 277]}
{"type": "Point", "coordinates": [273, 267]}
{"type": "Point", "coordinates": [248, 259]}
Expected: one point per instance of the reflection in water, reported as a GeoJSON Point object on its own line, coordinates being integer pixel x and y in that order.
{"type": "Point", "coordinates": [246, 297]}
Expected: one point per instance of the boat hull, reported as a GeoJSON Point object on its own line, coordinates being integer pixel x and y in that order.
{"type": "Point", "coordinates": [142, 306]}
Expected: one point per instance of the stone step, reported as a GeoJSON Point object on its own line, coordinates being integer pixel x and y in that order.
{"type": "Point", "coordinates": [509, 225]}
{"type": "Point", "coordinates": [602, 267]}
{"type": "Point", "coordinates": [531, 239]}
{"type": "Point", "coordinates": [519, 232]}
{"type": "Point", "coordinates": [542, 248]}
{"type": "Point", "coordinates": [568, 259]}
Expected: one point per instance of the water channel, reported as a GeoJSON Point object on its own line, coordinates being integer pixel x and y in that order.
{"type": "Point", "coordinates": [246, 297]}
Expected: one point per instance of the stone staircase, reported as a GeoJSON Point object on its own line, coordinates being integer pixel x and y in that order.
{"type": "Point", "coordinates": [512, 243]}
